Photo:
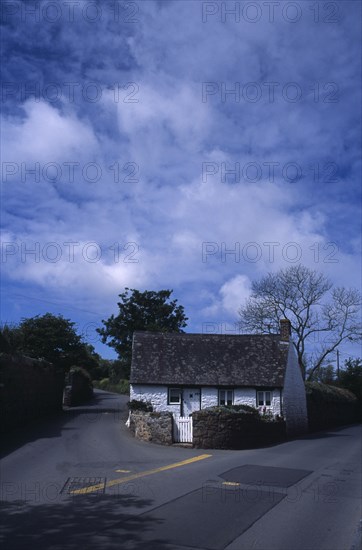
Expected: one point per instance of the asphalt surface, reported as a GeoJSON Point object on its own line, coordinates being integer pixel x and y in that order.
{"type": "Point", "coordinates": [81, 481]}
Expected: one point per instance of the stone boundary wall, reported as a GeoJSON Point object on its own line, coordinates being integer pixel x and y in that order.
{"type": "Point", "coordinates": [152, 426]}
{"type": "Point", "coordinates": [29, 389]}
{"type": "Point", "coordinates": [231, 430]}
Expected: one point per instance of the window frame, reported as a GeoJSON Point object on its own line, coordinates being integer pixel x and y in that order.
{"type": "Point", "coordinates": [264, 398]}
{"type": "Point", "coordinates": [169, 401]}
{"type": "Point", "coordinates": [226, 400]}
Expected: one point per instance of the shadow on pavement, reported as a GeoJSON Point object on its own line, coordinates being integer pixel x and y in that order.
{"type": "Point", "coordinates": [328, 432]}
{"type": "Point", "coordinates": [86, 522]}
{"type": "Point", "coordinates": [53, 425]}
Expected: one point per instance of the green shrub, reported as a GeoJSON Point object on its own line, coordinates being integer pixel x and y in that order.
{"type": "Point", "coordinates": [103, 383]}
{"type": "Point", "coordinates": [136, 405]}
{"type": "Point", "coordinates": [234, 409]}
{"type": "Point", "coordinates": [244, 408]}
{"type": "Point", "coordinates": [330, 406]}
{"type": "Point", "coordinates": [82, 372]}
{"type": "Point", "coordinates": [121, 387]}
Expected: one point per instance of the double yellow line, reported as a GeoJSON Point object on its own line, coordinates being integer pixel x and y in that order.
{"type": "Point", "coordinates": [113, 482]}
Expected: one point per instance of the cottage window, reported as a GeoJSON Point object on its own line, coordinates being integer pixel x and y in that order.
{"type": "Point", "coordinates": [263, 399]}
{"type": "Point", "coordinates": [226, 397]}
{"type": "Point", "coordinates": [174, 396]}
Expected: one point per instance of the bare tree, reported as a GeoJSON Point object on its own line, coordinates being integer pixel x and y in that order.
{"type": "Point", "coordinates": [320, 315]}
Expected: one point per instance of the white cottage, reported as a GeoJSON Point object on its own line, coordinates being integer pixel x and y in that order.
{"type": "Point", "coordinates": [183, 373]}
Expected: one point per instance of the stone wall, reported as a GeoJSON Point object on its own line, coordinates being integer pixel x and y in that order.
{"type": "Point", "coordinates": [152, 426]}
{"type": "Point", "coordinates": [29, 389]}
{"type": "Point", "coordinates": [230, 430]}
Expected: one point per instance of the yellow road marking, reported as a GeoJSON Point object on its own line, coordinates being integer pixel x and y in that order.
{"type": "Point", "coordinates": [233, 483]}
{"type": "Point", "coordinates": [123, 471]}
{"type": "Point", "coordinates": [113, 482]}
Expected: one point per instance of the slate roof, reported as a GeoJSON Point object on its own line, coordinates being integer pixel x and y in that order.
{"type": "Point", "coordinates": [208, 359]}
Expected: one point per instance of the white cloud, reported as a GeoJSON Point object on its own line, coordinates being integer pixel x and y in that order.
{"type": "Point", "coordinates": [169, 211]}
{"type": "Point", "coordinates": [234, 292]}
{"type": "Point", "coordinates": [45, 135]}
{"type": "Point", "coordinates": [230, 297]}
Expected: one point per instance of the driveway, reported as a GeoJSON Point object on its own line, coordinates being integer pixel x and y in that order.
{"type": "Point", "coordinates": [80, 480]}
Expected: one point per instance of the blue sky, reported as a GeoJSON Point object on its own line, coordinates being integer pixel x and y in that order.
{"type": "Point", "coordinates": [143, 142]}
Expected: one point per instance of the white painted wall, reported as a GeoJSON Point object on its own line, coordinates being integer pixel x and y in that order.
{"type": "Point", "coordinates": [242, 396]}
{"type": "Point", "coordinates": [276, 405]}
{"type": "Point", "coordinates": [209, 397]}
{"type": "Point", "coordinates": [245, 396]}
{"type": "Point", "coordinates": [157, 395]}
{"type": "Point", "coordinates": [294, 398]}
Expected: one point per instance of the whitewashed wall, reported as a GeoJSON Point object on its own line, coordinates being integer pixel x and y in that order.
{"type": "Point", "coordinates": [242, 396]}
{"type": "Point", "coordinates": [209, 397]}
{"type": "Point", "coordinates": [276, 405]}
{"type": "Point", "coordinates": [247, 396]}
{"type": "Point", "coordinates": [294, 398]}
{"type": "Point", "coordinates": [157, 395]}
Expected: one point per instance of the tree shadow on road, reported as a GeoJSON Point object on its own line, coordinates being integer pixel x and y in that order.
{"type": "Point", "coordinates": [40, 428]}
{"type": "Point", "coordinates": [323, 433]}
{"type": "Point", "coordinates": [54, 424]}
{"type": "Point", "coordinates": [86, 522]}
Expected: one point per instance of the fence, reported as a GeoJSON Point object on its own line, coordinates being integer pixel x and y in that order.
{"type": "Point", "coordinates": [182, 432]}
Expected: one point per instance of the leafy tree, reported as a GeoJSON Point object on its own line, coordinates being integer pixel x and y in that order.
{"type": "Point", "coordinates": [117, 371]}
{"type": "Point", "coordinates": [102, 370]}
{"type": "Point", "coordinates": [10, 339]}
{"type": "Point", "coordinates": [112, 369]}
{"type": "Point", "coordinates": [351, 376]}
{"type": "Point", "coordinates": [53, 338]}
{"type": "Point", "coordinates": [149, 311]}
{"type": "Point", "coordinates": [325, 374]}
{"type": "Point", "coordinates": [316, 311]}
{"type": "Point", "coordinates": [89, 359]}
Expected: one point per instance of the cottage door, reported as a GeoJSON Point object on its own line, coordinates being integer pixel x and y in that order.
{"type": "Point", "coordinates": [191, 401]}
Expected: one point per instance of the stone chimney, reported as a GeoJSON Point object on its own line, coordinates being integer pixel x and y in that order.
{"type": "Point", "coordinates": [285, 330]}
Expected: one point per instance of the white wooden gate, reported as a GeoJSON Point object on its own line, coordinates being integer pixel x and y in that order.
{"type": "Point", "coordinates": [182, 432]}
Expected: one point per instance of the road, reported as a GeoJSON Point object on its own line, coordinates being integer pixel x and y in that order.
{"type": "Point", "coordinates": [81, 481]}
